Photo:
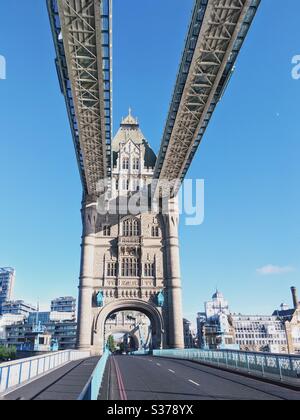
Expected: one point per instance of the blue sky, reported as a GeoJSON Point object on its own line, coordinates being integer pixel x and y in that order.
{"type": "Point", "coordinates": [249, 158]}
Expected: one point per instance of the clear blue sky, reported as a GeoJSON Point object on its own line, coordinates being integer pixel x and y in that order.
{"type": "Point", "coordinates": [249, 157]}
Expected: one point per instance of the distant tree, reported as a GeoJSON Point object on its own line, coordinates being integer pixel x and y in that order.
{"type": "Point", "coordinates": [7, 353]}
{"type": "Point", "coordinates": [111, 343]}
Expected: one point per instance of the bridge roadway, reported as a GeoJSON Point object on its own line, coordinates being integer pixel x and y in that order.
{"type": "Point", "coordinates": [153, 378]}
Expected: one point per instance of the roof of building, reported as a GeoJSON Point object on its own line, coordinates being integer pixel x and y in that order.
{"type": "Point", "coordinates": [130, 130]}
{"type": "Point", "coordinates": [218, 295]}
{"type": "Point", "coordinates": [4, 270]}
{"type": "Point", "coordinates": [130, 120]}
{"type": "Point", "coordinates": [287, 314]}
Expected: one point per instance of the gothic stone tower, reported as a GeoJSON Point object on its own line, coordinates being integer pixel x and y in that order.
{"type": "Point", "coordinates": [129, 262]}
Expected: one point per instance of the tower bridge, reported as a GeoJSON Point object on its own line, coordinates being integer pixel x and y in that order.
{"type": "Point", "coordinates": [131, 262]}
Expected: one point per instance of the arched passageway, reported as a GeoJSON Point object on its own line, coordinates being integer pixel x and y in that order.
{"type": "Point", "coordinates": [154, 315]}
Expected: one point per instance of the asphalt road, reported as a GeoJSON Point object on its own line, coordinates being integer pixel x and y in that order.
{"type": "Point", "coordinates": [151, 378]}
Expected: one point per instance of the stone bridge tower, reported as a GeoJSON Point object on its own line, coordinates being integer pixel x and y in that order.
{"type": "Point", "coordinates": [129, 261]}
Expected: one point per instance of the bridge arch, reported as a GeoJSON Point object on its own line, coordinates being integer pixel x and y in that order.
{"type": "Point", "coordinates": [151, 311]}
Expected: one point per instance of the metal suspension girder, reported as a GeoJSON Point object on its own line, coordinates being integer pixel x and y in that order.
{"type": "Point", "coordinates": [216, 35]}
{"type": "Point", "coordinates": [82, 32]}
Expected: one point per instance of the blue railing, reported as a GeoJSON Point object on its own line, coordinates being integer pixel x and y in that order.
{"type": "Point", "coordinates": [140, 352]}
{"type": "Point", "coordinates": [278, 367]}
{"type": "Point", "coordinates": [92, 388]}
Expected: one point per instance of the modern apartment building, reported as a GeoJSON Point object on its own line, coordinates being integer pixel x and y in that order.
{"type": "Point", "coordinates": [7, 281]}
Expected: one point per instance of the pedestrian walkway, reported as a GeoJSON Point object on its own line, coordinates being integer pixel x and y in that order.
{"type": "Point", "coordinates": [65, 383]}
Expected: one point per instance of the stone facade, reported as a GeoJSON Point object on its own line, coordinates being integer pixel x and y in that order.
{"type": "Point", "coordinates": [260, 333]}
{"type": "Point", "coordinates": [130, 260]}
{"type": "Point", "coordinates": [291, 320]}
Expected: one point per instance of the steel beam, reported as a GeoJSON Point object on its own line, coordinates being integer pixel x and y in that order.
{"type": "Point", "coordinates": [82, 32]}
{"type": "Point", "coordinates": [216, 35]}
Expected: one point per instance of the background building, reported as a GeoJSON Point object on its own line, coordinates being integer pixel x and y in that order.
{"type": "Point", "coordinates": [7, 282]}
{"type": "Point", "coordinates": [64, 304]}
{"type": "Point", "coordinates": [6, 321]}
{"type": "Point", "coordinates": [291, 320]}
{"type": "Point", "coordinates": [218, 305]}
{"type": "Point", "coordinates": [17, 307]}
{"type": "Point", "coordinates": [189, 336]}
{"type": "Point", "coordinates": [214, 326]}
{"type": "Point", "coordinates": [260, 333]}
{"type": "Point", "coordinates": [24, 327]}
{"type": "Point", "coordinates": [218, 328]}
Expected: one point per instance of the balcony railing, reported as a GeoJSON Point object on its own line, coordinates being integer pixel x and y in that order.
{"type": "Point", "coordinates": [130, 240]}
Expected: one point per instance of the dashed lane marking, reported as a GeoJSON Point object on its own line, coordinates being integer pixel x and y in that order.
{"type": "Point", "coordinates": [192, 382]}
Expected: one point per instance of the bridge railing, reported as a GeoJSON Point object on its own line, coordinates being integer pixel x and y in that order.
{"type": "Point", "coordinates": [92, 388]}
{"type": "Point", "coordinates": [282, 368]}
{"type": "Point", "coordinates": [17, 373]}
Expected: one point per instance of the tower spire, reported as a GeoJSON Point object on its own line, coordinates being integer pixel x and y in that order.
{"type": "Point", "coordinates": [130, 119]}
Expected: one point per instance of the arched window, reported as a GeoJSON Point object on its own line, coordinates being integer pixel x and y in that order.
{"type": "Point", "coordinates": [149, 270]}
{"type": "Point", "coordinates": [111, 269]}
{"type": "Point", "coordinates": [155, 232]}
{"type": "Point", "coordinates": [125, 184]}
{"type": "Point", "coordinates": [135, 185]}
{"type": "Point", "coordinates": [106, 230]}
{"type": "Point", "coordinates": [131, 227]}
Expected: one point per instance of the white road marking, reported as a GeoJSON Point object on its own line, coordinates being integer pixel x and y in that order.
{"type": "Point", "coordinates": [170, 370]}
{"type": "Point", "coordinates": [192, 382]}
{"type": "Point", "coordinates": [158, 364]}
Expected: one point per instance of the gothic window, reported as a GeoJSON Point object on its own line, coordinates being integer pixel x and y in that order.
{"type": "Point", "coordinates": [135, 185]}
{"type": "Point", "coordinates": [155, 232]}
{"type": "Point", "coordinates": [136, 164]}
{"type": "Point", "coordinates": [125, 164]}
{"type": "Point", "coordinates": [131, 227]}
{"type": "Point", "coordinates": [125, 184]}
{"type": "Point", "coordinates": [149, 270]}
{"type": "Point", "coordinates": [106, 230]}
{"type": "Point", "coordinates": [111, 269]}
{"type": "Point", "coordinates": [130, 267]}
